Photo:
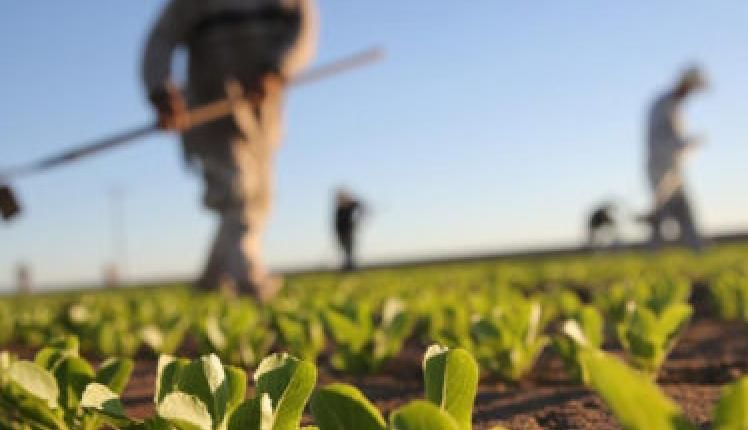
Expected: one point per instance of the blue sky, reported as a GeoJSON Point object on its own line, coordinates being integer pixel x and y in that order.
{"type": "Point", "coordinates": [491, 125]}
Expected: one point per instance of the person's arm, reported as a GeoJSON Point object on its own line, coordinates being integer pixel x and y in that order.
{"type": "Point", "coordinates": [362, 210]}
{"type": "Point", "coordinates": [168, 33]}
{"type": "Point", "coordinates": [683, 142]}
{"type": "Point", "coordinates": [693, 142]}
{"type": "Point", "coordinates": [304, 43]}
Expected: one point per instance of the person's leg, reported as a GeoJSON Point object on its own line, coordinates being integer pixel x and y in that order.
{"type": "Point", "coordinates": [214, 269]}
{"type": "Point", "coordinates": [605, 236]}
{"type": "Point", "coordinates": [655, 223]}
{"type": "Point", "coordinates": [241, 262]}
{"type": "Point", "coordinates": [342, 243]}
{"type": "Point", "coordinates": [689, 234]}
{"type": "Point", "coordinates": [253, 150]}
{"type": "Point", "coordinates": [219, 174]}
{"type": "Point", "coordinates": [351, 254]}
{"type": "Point", "coordinates": [346, 245]}
{"type": "Point", "coordinates": [614, 234]}
{"type": "Point", "coordinates": [591, 234]}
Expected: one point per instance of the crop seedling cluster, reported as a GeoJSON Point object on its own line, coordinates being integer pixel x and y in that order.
{"type": "Point", "coordinates": [496, 318]}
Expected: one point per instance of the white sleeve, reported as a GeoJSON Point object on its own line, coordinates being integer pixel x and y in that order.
{"type": "Point", "coordinates": [304, 47]}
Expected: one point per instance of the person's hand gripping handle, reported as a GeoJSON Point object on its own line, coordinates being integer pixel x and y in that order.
{"type": "Point", "coordinates": [171, 108]}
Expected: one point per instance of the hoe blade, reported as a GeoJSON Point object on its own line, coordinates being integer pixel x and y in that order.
{"type": "Point", "coordinates": [9, 206]}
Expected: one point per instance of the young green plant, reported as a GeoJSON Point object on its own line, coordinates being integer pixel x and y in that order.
{"type": "Point", "coordinates": [451, 380]}
{"type": "Point", "coordinates": [47, 393]}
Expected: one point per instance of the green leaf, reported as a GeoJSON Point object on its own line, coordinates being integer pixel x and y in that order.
{"type": "Point", "coordinates": [155, 423]}
{"type": "Point", "coordinates": [34, 413]}
{"type": "Point", "coordinates": [303, 336]}
{"type": "Point", "coordinates": [421, 415]}
{"type": "Point", "coordinates": [106, 404]}
{"type": "Point", "coordinates": [175, 335]}
{"type": "Point", "coordinates": [672, 320]}
{"type": "Point", "coordinates": [73, 374]}
{"type": "Point", "coordinates": [33, 392]}
{"type": "Point", "coordinates": [69, 344]}
{"type": "Point", "coordinates": [592, 324]}
{"type": "Point", "coordinates": [288, 382]}
{"type": "Point", "coordinates": [648, 337]}
{"type": "Point", "coordinates": [343, 407]}
{"type": "Point", "coordinates": [585, 330]}
{"type": "Point", "coordinates": [247, 416]}
{"type": "Point", "coordinates": [185, 412]}
{"type": "Point", "coordinates": [115, 373]}
{"type": "Point", "coordinates": [394, 329]}
{"type": "Point", "coordinates": [205, 378]}
{"type": "Point", "coordinates": [214, 333]}
{"type": "Point", "coordinates": [731, 412]}
{"type": "Point", "coordinates": [508, 338]}
{"type": "Point", "coordinates": [451, 379]}
{"type": "Point", "coordinates": [236, 380]}
{"type": "Point", "coordinates": [152, 337]}
{"type": "Point", "coordinates": [354, 333]}
{"type": "Point", "coordinates": [50, 356]}
{"type": "Point", "coordinates": [165, 338]}
{"type": "Point", "coordinates": [636, 401]}
{"type": "Point", "coordinates": [35, 381]}
{"type": "Point", "coordinates": [169, 371]}
{"type": "Point", "coordinates": [5, 360]}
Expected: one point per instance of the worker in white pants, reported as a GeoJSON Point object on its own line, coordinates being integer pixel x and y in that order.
{"type": "Point", "coordinates": [238, 186]}
{"type": "Point", "coordinates": [247, 50]}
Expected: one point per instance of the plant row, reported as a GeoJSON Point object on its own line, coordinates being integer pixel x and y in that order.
{"type": "Point", "coordinates": [504, 327]}
{"type": "Point", "coordinates": [59, 390]}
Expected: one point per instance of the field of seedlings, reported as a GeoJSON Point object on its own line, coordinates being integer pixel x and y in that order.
{"type": "Point", "coordinates": [630, 340]}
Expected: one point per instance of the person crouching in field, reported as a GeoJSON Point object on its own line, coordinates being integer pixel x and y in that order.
{"type": "Point", "coordinates": [601, 227]}
{"type": "Point", "coordinates": [248, 50]}
{"type": "Point", "coordinates": [348, 210]}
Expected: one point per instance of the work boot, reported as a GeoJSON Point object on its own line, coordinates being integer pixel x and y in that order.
{"type": "Point", "coordinates": [207, 284]}
{"type": "Point", "coordinates": [222, 285]}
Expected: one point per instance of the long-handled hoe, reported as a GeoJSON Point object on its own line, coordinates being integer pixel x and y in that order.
{"type": "Point", "coordinates": [9, 204]}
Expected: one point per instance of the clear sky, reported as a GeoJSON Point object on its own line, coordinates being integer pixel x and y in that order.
{"type": "Point", "coordinates": [491, 125]}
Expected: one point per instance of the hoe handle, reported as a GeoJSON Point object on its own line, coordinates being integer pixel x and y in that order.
{"type": "Point", "coordinates": [90, 148]}
{"type": "Point", "coordinates": [200, 115]}
{"type": "Point", "coordinates": [222, 108]}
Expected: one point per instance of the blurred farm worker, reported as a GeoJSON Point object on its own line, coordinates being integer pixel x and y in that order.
{"type": "Point", "coordinates": [23, 278]}
{"type": "Point", "coordinates": [247, 50]}
{"type": "Point", "coordinates": [667, 146]}
{"type": "Point", "coordinates": [601, 226]}
{"type": "Point", "coordinates": [348, 210]}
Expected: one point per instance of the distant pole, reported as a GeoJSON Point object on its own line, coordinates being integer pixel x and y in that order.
{"type": "Point", "coordinates": [117, 271]}
{"type": "Point", "coordinates": [23, 274]}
